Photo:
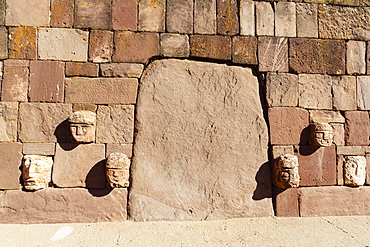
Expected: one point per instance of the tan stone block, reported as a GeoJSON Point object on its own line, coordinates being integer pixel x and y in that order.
{"type": "Point", "coordinates": [357, 128]}
{"type": "Point", "coordinates": [179, 16]}
{"type": "Point", "coordinates": [22, 42]}
{"type": "Point", "coordinates": [207, 46]}
{"type": "Point", "coordinates": [244, 50]}
{"type": "Point", "coordinates": [273, 54]}
{"type": "Point", "coordinates": [205, 16]}
{"type": "Point", "coordinates": [367, 182]}
{"type": "Point", "coordinates": [338, 134]}
{"type": "Point", "coordinates": [351, 150]}
{"type": "Point", "coordinates": [347, 2]}
{"type": "Point", "coordinates": [307, 25]}
{"type": "Point", "coordinates": [61, 13]}
{"type": "Point", "coordinates": [100, 46]}
{"type": "Point", "coordinates": [152, 15]}
{"type": "Point", "coordinates": [356, 52]}
{"type": "Point", "coordinates": [27, 13]}
{"type": "Point", "coordinates": [79, 165]}
{"type": "Point", "coordinates": [340, 180]}
{"type": "Point", "coordinates": [227, 17]}
{"type": "Point", "coordinates": [122, 70]}
{"type": "Point", "coordinates": [315, 91]}
{"type": "Point", "coordinates": [285, 19]}
{"type": "Point", "coordinates": [15, 62]}
{"type": "Point", "coordinates": [323, 116]}
{"type": "Point", "coordinates": [3, 43]}
{"type": "Point", "coordinates": [2, 12]}
{"type": "Point", "coordinates": [84, 107]}
{"type": "Point", "coordinates": [124, 15]}
{"type": "Point", "coordinates": [281, 89]}
{"type": "Point", "coordinates": [8, 121]}
{"type": "Point", "coordinates": [119, 148]}
{"type": "Point", "coordinates": [174, 45]}
{"type": "Point", "coordinates": [11, 157]}
{"type": "Point", "coordinates": [286, 202]}
{"type": "Point", "coordinates": [15, 82]}
{"type": "Point", "coordinates": [264, 19]}
{"type": "Point", "coordinates": [95, 14]}
{"type": "Point", "coordinates": [82, 69]}
{"type": "Point", "coordinates": [39, 148]}
{"type": "Point", "coordinates": [363, 92]}
{"type": "Point", "coordinates": [247, 17]}
{"type": "Point", "coordinates": [344, 93]}
{"type": "Point", "coordinates": [281, 150]}
{"type": "Point", "coordinates": [115, 124]}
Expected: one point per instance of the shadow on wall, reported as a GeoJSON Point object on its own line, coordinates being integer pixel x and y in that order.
{"type": "Point", "coordinates": [263, 179]}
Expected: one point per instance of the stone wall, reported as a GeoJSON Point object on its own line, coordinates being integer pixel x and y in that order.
{"type": "Point", "coordinates": [312, 62]}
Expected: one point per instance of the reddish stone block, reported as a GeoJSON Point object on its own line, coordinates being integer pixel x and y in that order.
{"type": "Point", "coordinates": [46, 81]}
{"type": "Point", "coordinates": [317, 166]}
{"type": "Point", "coordinates": [61, 13]}
{"type": "Point", "coordinates": [368, 58]}
{"type": "Point", "coordinates": [82, 69]}
{"type": "Point", "coordinates": [206, 46]}
{"type": "Point", "coordinates": [317, 56]}
{"type": "Point", "coordinates": [179, 16]}
{"type": "Point", "coordinates": [84, 107]}
{"type": "Point", "coordinates": [124, 15]}
{"type": "Point", "coordinates": [227, 17]}
{"type": "Point", "coordinates": [122, 69]}
{"type": "Point", "coordinates": [244, 50]}
{"type": "Point", "coordinates": [119, 148]}
{"type": "Point", "coordinates": [11, 157]}
{"type": "Point", "coordinates": [273, 54]}
{"type": "Point", "coordinates": [94, 14]}
{"type": "Point", "coordinates": [357, 128]}
{"type": "Point", "coordinates": [15, 81]}
{"type": "Point", "coordinates": [135, 47]}
{"type": "Point", "coordinates": [288, 126]}
{"type": "Point", "coordinates": [286, 202]}
{"type": "Point", "coordinates": [100, 46]}
{"type": "Point", "coordinates": [22, 43]}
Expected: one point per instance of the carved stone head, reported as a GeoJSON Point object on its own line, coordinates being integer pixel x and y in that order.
{"type": "Point", "coordinates": [321, 134]}
{"type": "Point", "coordinates": [286, 171]}
{"type": "Point", "coordinates": [354, 170]}
{"type": "Point", "coordinates": [118, 170]}
{"type": "Point", "coordinates": [36, 171]}
{"type": "Point", "coordinates": [82, 126]}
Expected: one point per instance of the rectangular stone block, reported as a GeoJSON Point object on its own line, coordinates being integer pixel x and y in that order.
{"type": "Point", "coordinates": [3, 43]}
{"type": "Point", "coordinates": [244, 50]}
{"type": "Point", "coordinates": [44, 122]}
{"type": "Point", "coordinates": [334, 201]}
{"type": "Point", "coordinates": [356, 52]}
{"type": "Point", "coordinates": [351, 150]}
{"type": "Point", "coordinates": [205, 16]}
{"type": "Point", "coordinates": [347, 2]}
{"type": "Point", "coordinates": [119, 148]}
{"type": "Point", "coordinates": [39, 148]}
{"type": "Point", "coordinates": [307, 25]}
{"type": "Point", "coordinates": [15, 62]}
{"type": "Point", "coordinates": [83, 107]}
{"type": "Point", "coordinates": [22, 42]}
{"type": "Point", "coordinates": [363, 92]}
{"type": "Point", "coordinates": [315, 91]}
{"type": "Point", "coordinates": [95, 14]}
{"type": "Point", "coordinates": [340, 179]}
{"type": "Point", "coordinates": [338, 134]}
{"type": "Point", "coordinates": [273, 54]}
{"type": "Point", "coordinates": [286, 202]}
{"type": "Point", "coordinates": [264, 19]}
{"type": "Point", "coordinates": [62, 13]}
{"type": "Point", "coordinates": [82, 69]}
{"type": "Point", "coordinates": [206, 46]}
{"type": "Point", "coordinates": [247, 17]}
{"type": "Point", "coordinates": [174, 45]}
{"type": "Point", "coordinates": [64, 206]}
{"type": "Point", "coordinates": [227, 17]}
{"type": "Point", "coordinates": [100, 46]}
{"type": "Point", "coordinates": [152, 15]}
{"type": "Point", "coordinates": [124, 15]}
{"type": "Point", "coordinates": [323, 116]}
{"type": "Point", "coordinates": [15, 82]}
{"type": "Point", "coordinates": [27, 12]}
{"type": "Point", "coordinates": [357, 128]}
{"type": "Point", "coordinates": [179, 16]}
{"type": "Point", "coordinates": [122, 69]}
{"type": "Point", "coordinates": [344, 93]}
{"type": "Point", "coordinates": [367, 182]}
{"type": "Point", "coordinates": [135, 47]}
{"type": "Point", "coordinates": [8, 121]}
{"type": "Point", "coordinates": [46, 81]}
{"type": "Point", "coordinates": [115, 124]}
{"type": "Point", "coordinates": [281, 89]}
{"type": "Point", "coordinates": [285, 19]}
{"type": "Point", "coordinates": [281, 150]}
{"type": "Point", "coordinates": [62, 44]}
{"type": "Point", "coordinates": [86, 161]}
{"type": "Point", "coordinates": [101, 90]}
{"type": "Point", "coordinates": [2, 12]}
{"type": "Point", "coordinates": [11, 158]}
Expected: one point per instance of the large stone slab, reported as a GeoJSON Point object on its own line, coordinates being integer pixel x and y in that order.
{"type": "Point", "coordinates": [11, 156]}
{"type": "Point", "coordinates": [27, 12]}
{"type": "Point", "coordinates": [201, 144]}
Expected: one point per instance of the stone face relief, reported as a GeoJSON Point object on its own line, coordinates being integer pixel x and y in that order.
{"type": "Point", "coordinates": [286, 171]}
{"type": "Point", "coordinates": [82, 126]}
{"type": "Point", "coordinates": [321, 134]}
{"type": "Point", "coordinates": [118, 170]}
{"type": "Point", "coordinates": [36, 171]}
{"type": "Point", "coordinates": [354, 170]}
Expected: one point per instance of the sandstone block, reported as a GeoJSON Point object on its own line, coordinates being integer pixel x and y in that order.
{"type": "Point", "coordinates": [8, 121]}
{"type": "Point", "coordinates": [282, 131]}
{"type": "Point", "coordinates": [367, 182]}
{"type": "Point", "coordinates": [86, 161]}
{"type": "Point", "coordinates": [2, 12]}
{"type": "Point", "coordinates": [264, 19]}
{"type": "Point", "coordinates": [179, 16]}
{"type": "Point", "coordinates": [273, 54]}
{"type": "Point", "coordinates": [307, 25]}
{"type": "Point", "coordinates": [175, 45]}
{"type": "Point", "coordinates": [356, 52]}
{"type": "Point", "coordinates": [122, 70]}
{"type": "Point", "coordinates": [244, 50]}
{"type": "Point", "coordinates": [27, 12]}
{"type": "Point", "coordinates": [62, 44]}
{"type": "Point", "coordinates": [95, 14]}
{"type": "Point", "coordinates": [281, 89]}
{"type": "Point", "coordinates": [11, 157]}
{"type": "Point", "coordinates": [347, 2]}
{"type": "Point", "coordinates": [281, 150]}
{"type": "Point", "coordinates": [344, 93]}
{"type": "Point", "coordinates": [351, 150]}
{"type": "Point", "coordinates": [22, 43]}
{"type": "Point", "coordinates": [227, 17]}
{"type": "Point", "coordinates": [119, 148]}
{"type": "Point", "coordinates": [61, 13]}
{"type": "Point", "coordinates": [317, 56]}
{"type": "Point", "coordinates": [124, 15]}
{"type": "Point", "coordinates": [205, 16]}
{"type": "Point", "coordinates": [152, 15]}
{"type": "Point", "coordinates": [338, 134]}
{"type": "Point", "coordinates": [363, 92]}
{"type": "Point", "coordinates": [84, 107]}
{"type": "Point", "coordinates": [115, 124]}
{"type": "Point", "coordinates": [15, 62]}
{"type": "Point", "coordinates": [39, 148]}
{"type": "Point", "coordinates": [135, 47]}
{"type": "Point", "coordinates": [3, 43]}
{"type": "Point", "coordinates": [357, 128]}
{"type": "Point", "coordinates": [46, 81]}
{"type": "Point", "coordinates": [216, 47]}
{"type": "Point", "coordinates": [82, 69]}
{"type": "Point", "coordinates": [176, 139]}
{"type": "Point", "coordinates": [340, 180]}
{"type": "Point", "coordinates": [315, 91]}
{"type": "Point", "coordinates": [100, 46]}
{"type": "Point", "coordinates": [323, 116]}
{"type": "Point", "coordinates": [285, 19]}
{"type": "Point", "coordinates": [44, 122]}
{"type": "Point", "coordinates": [15, 82]}
{"type": "Point", "coordinates": [76, 206]}
{"type": "Point", "coordinates": [247, 17]}
{"type": "Point", "coordinates": [286, 202]}
{"type": "Point", "coordinates": [101, 90]}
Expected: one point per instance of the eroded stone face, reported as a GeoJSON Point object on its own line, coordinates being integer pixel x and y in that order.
{"type": "Point", "coordinates": [321, 134]}
{"type": "Point", "coordinates": [82, 126]}
{"type": "Point", "coordinates": [286, 171]}
{"type": "Point", "coordinates": [36, 171]}
{"type": "Point", "coordinates": [118, 170]}
{"type": "Point", "coordinates": [354, 170]}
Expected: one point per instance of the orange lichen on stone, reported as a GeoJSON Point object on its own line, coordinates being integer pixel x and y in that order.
{"type": "Point", "coordinates": [22, 43]}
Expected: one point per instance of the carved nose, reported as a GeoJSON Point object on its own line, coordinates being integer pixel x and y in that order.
{"type": "Point", "coordinates": [79, 130]}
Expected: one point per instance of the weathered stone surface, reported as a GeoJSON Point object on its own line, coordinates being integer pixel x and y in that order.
{"type": "Point", "coordinates": [122, 69]}
{"type": "Point", "coordinates": [62, 13]}
{"type": "Point", "coordinates": [152, 15]}
{"type": "Point", "coordinates": [36, 171]}
{"type": "Point", "coordinates": [354, 169]}
{"type": "Point", "coordinates": [307, 25]}
{"type": "Point", "coordinates": [281, 89]}
{"type": "Point", "coordinates": [118, 170]}
{"type": "Point", "coordinates": [338, 22]}
{"type": "Point", "coordinates": [119, 148]}
{"type": "Point", "coordinates": [84, 107]}
{"type": "Point", "coordinates": [282, 131]}
{"type": "Point", "coordinates": [244, 50]}
{"type": "Point", "coordinates": [39, 148]}
{"type": "Point", "coordinates": [179, 16]}
{"type": "Point", "coordinates": [347, 2]}
{"type": "Point", "coordinates": [205, 16]}
{"type": "Point", "coordinates": [2, 12]}
{"type": "Point", "coordinates": [46, 81]}
{"type": "Point", "coordinates": [247, 18]}
{"type": "Point", "coordinates": [363, 92]}
{"type": "Point", "coordinates": [334, 201]}
{"type": "Point", "coordinates": [351, 150]}
{"type": "Point", "coordinates": [357, 128]}
{"type": "Point", "coordinates": [317, 56]}
{"type": "Point", "coordinates": [82, 126]}
{"type": "Point", "coordinates": [27, 12]}
{"type": "Point", "coordinates": [15, 82]}
{"type": "Point", "coordinates": [321, 134]}
{"type": "Point", "coordinates": [323, 116]}
{"type": "Point", "coordinates": [367, 182]}
{"type": "Point", "coordinates": [227, 17]}
{"type": "Point", "coordinates": [8, 121]}
{"type": "Point", "coordinates": [43, 122]}
{"type": "Point", "coordinates": [101, 90]}
{"type": "Point", "coordinates": [281, 150]}
{"type": "Point", "coordinates": [285, 19]}
{"type": "Point", "coordinates": [315, 91]}
{"type": "Point", "coordinates": [135, 47]}
{"type": "Point", "coordinates": [216, 47]}
{"type": "Point", "coordinates": [285, 171]}
{"type": "Point", "coordinates": [15, 62]}
{"type": "Point", "coordinates": [100, 46]}
{"type": "Point", "coordinates": [338, 134]}
{"type": "Point", "coordinates": [82, 69]}
{"type": "Point", "coordinates": [77, 205]}
{"type": "Point", "coordinates": [187, 163]}
{"type": "Point", "coordinates": [94, 14]}
{"type": "Point", "coordinates": [115, 124]}
{"type": "Point", "coordinates": [62, 44]}
{"type": "Point", "coordinates": [174, 45]}
{"type": "Point", "coordinates": [356, 52]}
{"type": "Point", "coordinates": [124, 15]}
{"type": "Point", "coordinates": [273, 54]}
{"type": "Point", "coordinates": [340, 169]}
{"type": "Point", "coordinates": [3, 43]}
{"type": "Point", "coordinates": [286, 202]}
{"type": "Point", "coordinates": [317, 166]}
{"type": "Point", "coordinates": [79, 165]}
{"type": "Point", "coordinates": [344, 93]}
{"type": "Point", "coordinates": [22, 43]}
{"type": "Point", "coordinates": [264, 19]}
{"type": "Point", "coordinates": [11, 158]}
